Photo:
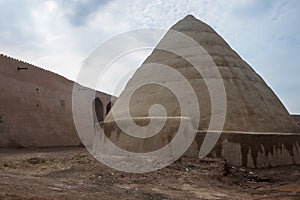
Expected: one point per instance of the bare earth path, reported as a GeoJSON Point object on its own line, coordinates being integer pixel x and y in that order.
{"type": "Point", "coordinates": [72, 173]}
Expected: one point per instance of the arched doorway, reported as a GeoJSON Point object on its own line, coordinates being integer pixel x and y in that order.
{"type": "Point", "coordinates": [98, 110]}
{"type": "Point", "coordinates": [108, 107]}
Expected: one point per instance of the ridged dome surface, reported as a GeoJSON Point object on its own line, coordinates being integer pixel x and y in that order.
{"type": "Point", "coordinates": [251, 105]}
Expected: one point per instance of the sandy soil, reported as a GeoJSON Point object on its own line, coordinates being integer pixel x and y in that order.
{"type": "Point", "coordinates": [72, 173]}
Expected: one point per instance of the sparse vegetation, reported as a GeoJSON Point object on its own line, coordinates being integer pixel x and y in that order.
{"type": "Point", "coordinates": [0, 119]}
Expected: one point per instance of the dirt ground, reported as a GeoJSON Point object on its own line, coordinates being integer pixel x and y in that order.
{"type": "Point", "coordinates": [72, 173]}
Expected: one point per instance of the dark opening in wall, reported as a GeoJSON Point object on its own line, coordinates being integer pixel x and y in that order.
{"type": "Point", "coordinates": [98, 110]}
{"type": "Point", "coordinates": [22, 68]}
{"type": "Point", "coordinates": [108, 107]}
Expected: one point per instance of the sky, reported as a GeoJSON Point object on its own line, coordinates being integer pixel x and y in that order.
{"type": "Point", "coordinates": [59, 35]}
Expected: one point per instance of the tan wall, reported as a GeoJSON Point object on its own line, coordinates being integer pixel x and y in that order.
{"type": "Point", "coordinates": [297, 119]}
{"type": "Point", "coordinates": [36, 106]}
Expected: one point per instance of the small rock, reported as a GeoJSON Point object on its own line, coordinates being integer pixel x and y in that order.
{"type": "Point", "coordinates": [35, 161]}
{"type": "Point", "coordinates": [263, 179]}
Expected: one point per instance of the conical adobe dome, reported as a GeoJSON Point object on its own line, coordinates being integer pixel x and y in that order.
{"type": "Point", "coordinates": [243, 108]}
{"type": "Point", "coordinates": [251, 104]}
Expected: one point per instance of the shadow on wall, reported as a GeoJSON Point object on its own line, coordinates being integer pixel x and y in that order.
{"type": "Point", "coordinates": [297, 119]}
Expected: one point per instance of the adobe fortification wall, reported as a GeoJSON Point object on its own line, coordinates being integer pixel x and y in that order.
{"type": "Point", "coordinates": [36, 106]}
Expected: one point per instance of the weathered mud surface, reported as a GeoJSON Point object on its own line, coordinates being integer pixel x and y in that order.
{"type": "Point", "coordinates": [72, 173]}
